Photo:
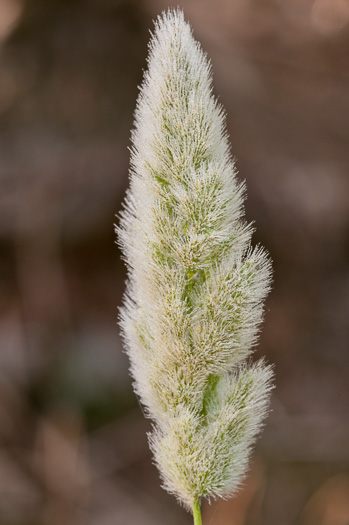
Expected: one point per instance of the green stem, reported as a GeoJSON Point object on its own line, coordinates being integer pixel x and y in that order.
{"type": "Point", "coordinates": [196, 512]}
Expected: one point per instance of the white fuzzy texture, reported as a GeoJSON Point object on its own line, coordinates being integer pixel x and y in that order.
{"type": "Point", "coordinates": [194, 299]}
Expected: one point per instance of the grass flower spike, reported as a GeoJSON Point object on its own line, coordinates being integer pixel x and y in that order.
{"type": "Point", "coordinates": [195, 293]}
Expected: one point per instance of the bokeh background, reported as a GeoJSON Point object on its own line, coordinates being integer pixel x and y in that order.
{"type": "Point", "coordinates": [73, 446]}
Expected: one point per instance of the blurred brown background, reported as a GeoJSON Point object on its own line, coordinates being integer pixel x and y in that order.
{"type": "Point", "coordinates": [73, 446]}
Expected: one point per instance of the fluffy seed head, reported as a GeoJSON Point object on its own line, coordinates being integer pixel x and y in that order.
{"type": "Point", "coordinates": [194, 299]}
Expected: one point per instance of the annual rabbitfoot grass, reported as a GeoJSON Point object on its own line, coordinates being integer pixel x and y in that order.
{"type": "Point", "coordinates": [194, 300]}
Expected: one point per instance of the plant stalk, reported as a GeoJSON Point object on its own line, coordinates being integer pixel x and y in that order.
{"type": "Point", "coordinates": [196, 512]}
